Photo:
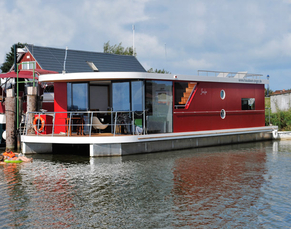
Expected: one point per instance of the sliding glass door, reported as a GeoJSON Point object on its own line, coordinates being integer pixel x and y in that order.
{"type": "Point", "coordinates": [159, 103]}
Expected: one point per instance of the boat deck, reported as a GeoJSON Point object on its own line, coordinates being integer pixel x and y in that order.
{"type": "Point", "coordinates": [108, 144]}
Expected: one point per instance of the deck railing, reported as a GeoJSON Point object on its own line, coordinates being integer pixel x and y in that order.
{"type": "Point", "coordinates": [239, 75]}
{"type": "Point", "coordinates": [83, 123]}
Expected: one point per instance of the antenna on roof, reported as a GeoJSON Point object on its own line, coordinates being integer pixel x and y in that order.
{"type": "Point", "coordinates": [65, 60]}
{"type": "Point", "coordinates": [15, 58]}
{"type": "Point", "coordinates": [133, 28]}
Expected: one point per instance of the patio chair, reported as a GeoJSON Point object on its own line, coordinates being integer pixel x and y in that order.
{"type": "Point", "coordinates": [97, 125]}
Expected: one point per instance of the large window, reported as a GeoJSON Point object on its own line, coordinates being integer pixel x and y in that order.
{"type": "Point", "coordinates": [77, 96]}
{"type": "Point", "coordinates": [159, 103]}
{"type": "Point", "coordinates": [137, 96]}
{"type": "Point", "coordinates": [120, 96]}
{"type": "Point", "coordinates": [248, 104]}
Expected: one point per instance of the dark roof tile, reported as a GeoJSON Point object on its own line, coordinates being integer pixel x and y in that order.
{"type": "Point", "coordinates": [53, 59]}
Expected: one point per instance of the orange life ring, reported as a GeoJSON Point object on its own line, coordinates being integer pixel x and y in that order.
{"type": "Point", "coordinates": [41, 129]}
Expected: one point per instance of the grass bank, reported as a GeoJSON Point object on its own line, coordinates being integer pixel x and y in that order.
{"type": "Point", "coordinates": [282, 119]}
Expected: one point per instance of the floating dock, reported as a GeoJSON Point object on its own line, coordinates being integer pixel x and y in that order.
{"type": "Point", "coordinates": [119, 145]}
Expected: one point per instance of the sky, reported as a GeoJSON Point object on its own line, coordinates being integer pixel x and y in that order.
{"type": "Point", "coordinates": [181, 37]}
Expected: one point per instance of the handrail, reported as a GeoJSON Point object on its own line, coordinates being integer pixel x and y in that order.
{"type": "Point", "coordinates": [229, 74]}
{"type": "Point", "coordinates": [123, 119]}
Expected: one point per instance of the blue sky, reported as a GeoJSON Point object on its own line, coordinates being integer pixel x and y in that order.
{"type": "Point", "coordinates": [178, 36]}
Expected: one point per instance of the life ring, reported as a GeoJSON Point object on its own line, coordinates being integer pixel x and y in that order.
{"type": "Point", "coordinates": [41, 129]}
{"type": "Point", "coordinates": [275, 134]}
{"type": "Point", "coordinates": [4, 135]}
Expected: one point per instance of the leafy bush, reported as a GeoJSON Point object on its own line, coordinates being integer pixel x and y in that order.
{"type": "Point", "coordinates": [282, 119]}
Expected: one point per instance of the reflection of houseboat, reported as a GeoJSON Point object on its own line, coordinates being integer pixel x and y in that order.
{"type": "Point", "coordinates": [148, 112]}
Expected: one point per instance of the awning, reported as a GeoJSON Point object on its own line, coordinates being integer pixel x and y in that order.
{"type": "Point", "coordinates": [27, 74]}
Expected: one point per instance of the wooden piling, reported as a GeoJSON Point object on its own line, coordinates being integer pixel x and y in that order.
{"type": "Point", "coordinates": [31, 107]}
{"type": "Point", "coordinates": [18, 132]}
{"type": "Point", "coordinates": [10, 113]}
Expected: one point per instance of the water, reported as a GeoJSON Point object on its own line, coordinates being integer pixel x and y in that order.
{"type": "Point", "coordinates": [237, 186]}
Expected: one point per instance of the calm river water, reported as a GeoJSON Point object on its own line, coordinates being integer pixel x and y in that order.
{"type": "Point", "coordinates": [236, 186]}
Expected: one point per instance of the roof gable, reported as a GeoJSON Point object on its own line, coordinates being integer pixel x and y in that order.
{"type": "Point", "coordinates": [77, 61]}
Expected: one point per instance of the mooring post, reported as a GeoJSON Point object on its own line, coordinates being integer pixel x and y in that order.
{"type": "Point", "coordinates": [31, 107]}
{"type": "Point", "coordinates": [10, 113]}
{"type": "Point", "coordinates": [18, 131]}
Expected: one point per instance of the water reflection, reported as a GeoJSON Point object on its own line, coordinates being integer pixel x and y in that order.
{"type": "Point", "coordinates": [12, 194]}
{"type": "Point", "coordinates": [245, 186]}
{"type": "Point", "coordinates": [215, 188]}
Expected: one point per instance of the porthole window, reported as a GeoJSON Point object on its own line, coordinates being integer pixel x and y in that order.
{"type": "Point", "coordinates": [222, 114]}
{"type": "Point", "coordinates": [222, 94]}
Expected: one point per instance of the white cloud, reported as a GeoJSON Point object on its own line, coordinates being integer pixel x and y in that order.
{"type": "Point", "coordinates": [194, 64]}
{"type": "Point", "coordinates": [199, 34]}
{"type": "Point", "coordinates": [40, 24]}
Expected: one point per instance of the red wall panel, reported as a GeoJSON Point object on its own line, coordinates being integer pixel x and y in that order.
{"type": "Point", "coordinates": [204, 111]}
{"type": "Point", "coordinates": [60, 105]}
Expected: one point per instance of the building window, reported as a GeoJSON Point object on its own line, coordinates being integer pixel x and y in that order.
{"type": "Point", "coordinates": [222, 94]}
{"type": "Point", "coordinates": [28, 65]}
{"type": "Point", "coordinates": [222, 114]}
{"type": "Point", "coordinates": [248, 104]}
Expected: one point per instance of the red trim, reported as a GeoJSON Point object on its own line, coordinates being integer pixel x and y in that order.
{"type": "Point", "coordinates": [192, 96]}
{"type": "Point", "coordinates": [27, 74]}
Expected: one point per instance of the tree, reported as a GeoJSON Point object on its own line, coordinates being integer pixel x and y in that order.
{"type": "Point", "coordinates": [266, 92]}
{"type": "Point", "coordinates": [10, 58]}
{"type": "Point", "coordinates": [117, 49]}
{"type": "Point", "coordinates": [120, 50]}
{"type": "Point", "coordinates": [151, 70]}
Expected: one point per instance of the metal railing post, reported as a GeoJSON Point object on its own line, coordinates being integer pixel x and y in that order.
{"type": "Point", "coordinates": [132, 121]}
{"type": "Point", "coordinates": [26, 123]}
{"type": "Point", "coordinates": [69, 130]}
{"type": "Point", "coordinates": [143, 123]}
{"type": "Point", "coordinates": [37, 124]}
{"type": "Point", "coordinates": [53, 128]}
{"type": "Point", "coordinates": [115, 123]}
{"type": "Point", "coordinates": [90, 129]}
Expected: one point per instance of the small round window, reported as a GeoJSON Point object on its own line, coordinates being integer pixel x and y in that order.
{"type": "Point", "coordinates": [222, 94]}
{"type": "Point", "coordinates": [222, 114]}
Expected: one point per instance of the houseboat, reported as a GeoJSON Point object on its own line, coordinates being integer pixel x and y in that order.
{"type": "Point", "coordinates": [33, 61]}
{"type": "Point", "coordinates": [121, 113]}
{"type": "Point", "coordinates": [26, 78]}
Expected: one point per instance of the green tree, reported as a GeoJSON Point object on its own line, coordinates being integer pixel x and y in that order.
{"type": "Point", "coordinates": [10, 58]}
{"type": "Point", "coordinates": [270, 92]}
{"type": "Point", "coordinates": [120, 50]}
{"type": "Point", "coordinates": [117, 49]}
{"type": "Point", "coordinates": [151, 70]}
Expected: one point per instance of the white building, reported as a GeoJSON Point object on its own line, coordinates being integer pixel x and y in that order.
{"type": "Point", "coordinates": [281, 100]}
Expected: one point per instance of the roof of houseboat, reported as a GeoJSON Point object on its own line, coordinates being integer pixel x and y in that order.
{"type": "Point", "coordinates": [105, 76]}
